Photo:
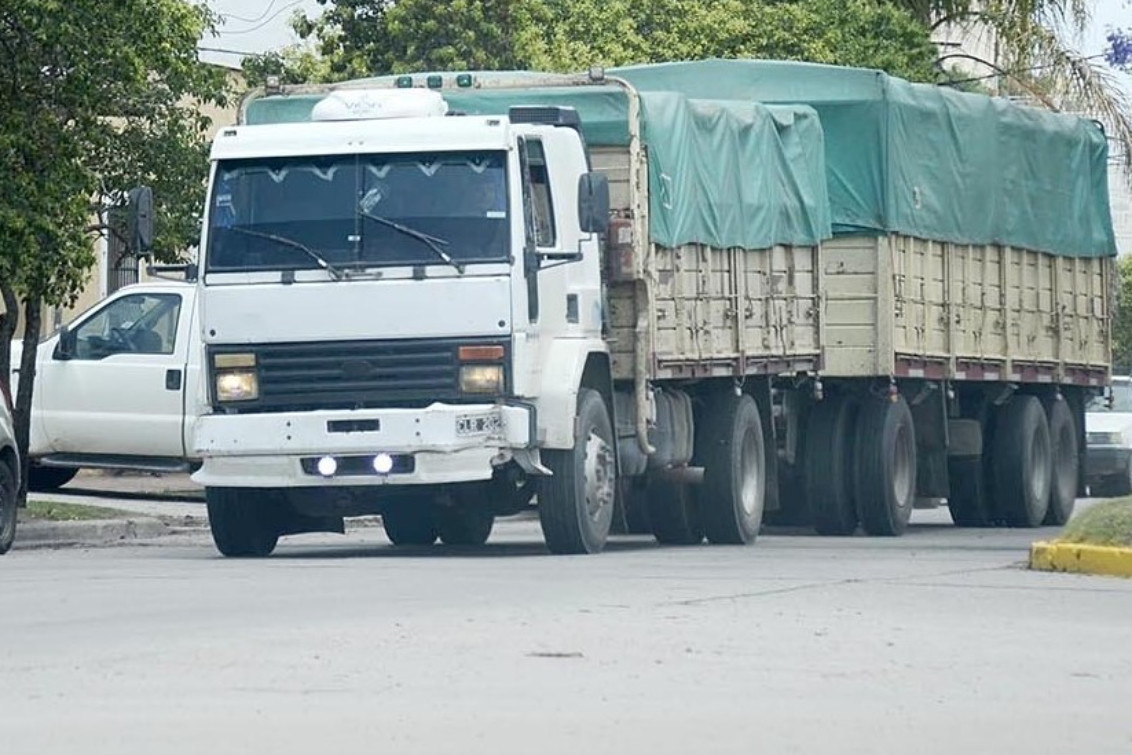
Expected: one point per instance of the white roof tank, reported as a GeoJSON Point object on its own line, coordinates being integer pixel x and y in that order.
{"type": "Point", "coordinates": [376, 104]}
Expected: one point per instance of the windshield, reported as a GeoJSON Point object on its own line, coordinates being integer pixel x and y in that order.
{"type": "Point", "coordinates": [1121, 400]}
{"type": "Point", "coordinates": [359, 210]}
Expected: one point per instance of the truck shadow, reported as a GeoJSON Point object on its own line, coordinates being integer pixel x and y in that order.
{"type": "Point", "coordinates": [526, 549]}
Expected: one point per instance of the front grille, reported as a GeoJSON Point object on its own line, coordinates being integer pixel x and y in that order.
{"type": "Point", "coordinates": [356, 374]}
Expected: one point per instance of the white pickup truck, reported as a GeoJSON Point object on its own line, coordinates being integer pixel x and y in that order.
{"type": "Point", "coordinates": [119, 387]}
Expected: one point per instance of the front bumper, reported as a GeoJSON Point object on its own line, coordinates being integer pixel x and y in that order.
{"type": "Point", "coordinates": [448, 443]}
{"type": "Point", "coordinates": [1106, 461]}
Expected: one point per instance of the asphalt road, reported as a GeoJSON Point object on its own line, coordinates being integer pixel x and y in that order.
{"type": "Point", "coordinates": [938, 642]}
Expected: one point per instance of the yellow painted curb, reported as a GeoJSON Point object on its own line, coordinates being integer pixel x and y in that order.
{"type": "Point", "coordinates": [1081, 558]}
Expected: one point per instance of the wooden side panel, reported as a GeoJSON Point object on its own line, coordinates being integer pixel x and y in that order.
{"type": "Point", "coordinates": [851, 304]}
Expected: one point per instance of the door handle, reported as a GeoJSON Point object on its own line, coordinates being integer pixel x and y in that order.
{"type": "Point", "coordinates": [172, 380]}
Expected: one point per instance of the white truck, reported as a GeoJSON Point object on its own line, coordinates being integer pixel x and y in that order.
{"type": "Point", "coordinates": [119, 387]}
{"type": "Point", "coordinates": [438, 297]}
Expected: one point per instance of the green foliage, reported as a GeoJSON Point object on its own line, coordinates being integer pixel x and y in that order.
{"type": "Point", "coordinates": [293, 65]}
{"type": "Point", "coordinates": [1122, 322]}
{"type": "Point", "coordinates": [372, 37]}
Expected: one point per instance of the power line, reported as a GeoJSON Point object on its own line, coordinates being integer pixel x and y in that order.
{"type": "Point", "coordinates": [262, 24]}
{"type": "Point", "coordinates": [226, 51]}
{"type": "Point", "coordinates": [255, 20]}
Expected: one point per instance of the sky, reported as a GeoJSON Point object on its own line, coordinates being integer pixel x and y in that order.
{"type": "Point", "coordinates": [259, 25]}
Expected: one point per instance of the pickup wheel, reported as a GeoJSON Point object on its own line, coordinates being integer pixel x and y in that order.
{"type": "Point", "coordinates": [43, 479]}
{"type": "Point", "coordinates": [829, 466]}
{"type": "Point", "coordinates": [1063, 448]}
{"type": "Point", "coordinates": [8, 501]}
{"type": "Point", "coordinates": [885, 465]}
{"type": "Point", "coordinates": [729, 446]}
{"type": "Point", "coordinates": [244, 521]}
{"type": "Point", "coordinates": [409, 523]}
{"type": "Point", "coordinates": [1022, 462]}
{"type": "Point", "coordinates": [576, 504]}
{"type": "Point", "coordinates": [674, 513]}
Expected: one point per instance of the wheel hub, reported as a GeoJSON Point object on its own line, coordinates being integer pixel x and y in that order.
{"type": "Point", "coordinates": [600, 475]}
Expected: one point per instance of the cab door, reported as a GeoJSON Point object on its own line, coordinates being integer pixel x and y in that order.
{"type": "Point", "coordinates": [115, 383]}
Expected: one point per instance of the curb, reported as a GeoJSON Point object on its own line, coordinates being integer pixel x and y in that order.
{"type": "Point", "coordinates": [91, 532]}
{"type": "Point", "coordinates": [1081, 558]}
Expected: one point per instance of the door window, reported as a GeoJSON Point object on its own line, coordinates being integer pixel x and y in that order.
{"type": "Point", "coordinates": [135, 324]}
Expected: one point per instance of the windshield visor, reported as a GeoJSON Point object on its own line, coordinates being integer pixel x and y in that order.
{"type": "Point", "coordinates": [358, 211]}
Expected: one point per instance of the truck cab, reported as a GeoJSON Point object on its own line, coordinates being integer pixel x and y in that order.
{"type": "Point", "coordinates": [401, 310]}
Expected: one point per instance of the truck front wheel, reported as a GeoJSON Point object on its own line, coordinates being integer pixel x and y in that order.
{"type": "Point", "coordinates": [243, 521]}
{"type": "Point", "coordinates": [466, 523]}
{"type": "Point", "coordinates": [410, 523]}
{"type": "Point", "coordinates": [575, 505]}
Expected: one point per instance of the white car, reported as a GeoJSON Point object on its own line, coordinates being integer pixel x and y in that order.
{"type": "Point", "coordinates": [1109, 435]}
{"type": "Point", "coordinates": [9, 476]}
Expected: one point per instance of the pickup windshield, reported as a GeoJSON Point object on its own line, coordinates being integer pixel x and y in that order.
{"type": "Point", "coordinates": [359, 211]}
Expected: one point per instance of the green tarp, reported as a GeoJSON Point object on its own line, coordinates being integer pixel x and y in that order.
{"type": "Point", "coordinates": [898, 157]}
{"type": "Point", "coordinates": [929, 161]}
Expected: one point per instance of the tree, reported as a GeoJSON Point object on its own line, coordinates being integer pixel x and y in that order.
{"type": "Point", "coordinates": [372, 37]}
{"type": "Point", "coordinates": [94, 98]}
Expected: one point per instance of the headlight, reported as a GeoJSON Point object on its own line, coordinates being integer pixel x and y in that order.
{"type": "Point", "coordinates": [482, 378]}
{"type": "Point", "coordinates": [237, 385]}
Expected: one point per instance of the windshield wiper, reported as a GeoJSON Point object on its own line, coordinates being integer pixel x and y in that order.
{"type": "Point", "coordinates": [333, 271]}
{"type": "Point", "coordinates": [432, 242]}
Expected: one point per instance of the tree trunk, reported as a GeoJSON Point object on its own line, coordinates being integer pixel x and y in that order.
{"type": "Point", "coordinates": [9, 321]}
{"type": "Point", "coordinates": [33, 309]}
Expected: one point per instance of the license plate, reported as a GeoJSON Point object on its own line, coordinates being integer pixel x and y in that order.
{"type": "Point", "coordinates": [478, 424]}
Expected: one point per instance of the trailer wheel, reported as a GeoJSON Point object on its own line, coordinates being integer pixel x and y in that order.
{"type": "Point", "coordinates": [1063, 449]}
{"type": "Point", "coordinates": [673, 513]}
{"type": "Point", "coordinates": [885, 466]}
{"type": "Point", "coordinates": [967, 498]}
{"type": "Point", "coordinates": [43, 479]}
{"type": "Point", "coordinates": [576, 504]}
{"type": "Point", "coordinates": [8, 502]}
{"type": "Point", "coordinates": [729, 446]}
{"type": "Point", "coordinates": [409, 523]}
{"type": "Point", "coordinates": [464, 525]}
{"type": "Point", "coordinates": [243, 522]}
{"type": "Point", "coordinates": [1022, 462]}
{"type": "Point", "coordinates": [829, 465]}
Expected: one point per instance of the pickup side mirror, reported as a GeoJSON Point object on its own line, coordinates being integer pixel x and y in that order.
{"type": "Point", "coordinates": [593, 202]}
{"type": "Point", "coordinates": [65, 349]}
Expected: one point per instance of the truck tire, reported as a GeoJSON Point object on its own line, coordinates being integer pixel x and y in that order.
{"type": "Point", "coordinates": [729, 446]}
{"type": "Point", "coordinates": [884, 480]}
{"type": "Point", "coordinates": [968, 499]}
{"type": "Point", "coordinates": [410, 523]}
{"type": "Point", "coordinates": [1063, 450]}
{"type": "Point", "coordinates": [44, 479]}
{"type": "Point", "coordinates": [674, 513]}
{"type": "Point", "coordinates": [575, 505]}
{"type": "Point", "coordinates": [464, 525]}
{"type": "Point", "coordinates": [829, 466]}
{"type": "Point", "coordinates": [242, 521]}
{"type": "Point", "coordinates": [8, 504]}
{"type": "Point", "coordinates": [1022, 462]}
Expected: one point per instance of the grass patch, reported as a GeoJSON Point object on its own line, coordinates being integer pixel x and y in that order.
{"type": "Point", "coordinates": [69, 512]}
{"type": "Point", "coordinates": [1107, 523]}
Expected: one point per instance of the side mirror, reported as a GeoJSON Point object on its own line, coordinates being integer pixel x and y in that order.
{"type": "Point", "coordinates": [66, 347]}
{"type": "Point", "coordinates": [140, 219]}
{"type": "Point", "coordinates": [593, 202]}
